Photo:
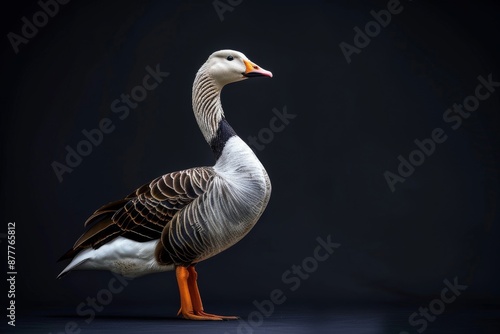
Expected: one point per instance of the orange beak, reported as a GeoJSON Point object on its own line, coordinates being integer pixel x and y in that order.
{"type": "Point", "coordinates": [253, 70]}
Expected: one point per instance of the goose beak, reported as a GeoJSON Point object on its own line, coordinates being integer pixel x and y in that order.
{"type": "Point", "coordinates": [254, 70]}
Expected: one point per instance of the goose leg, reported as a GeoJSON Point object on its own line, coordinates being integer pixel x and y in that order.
{"type": "Point", "coordinates": [187, 310]}
{"type": "Point", "coordinates": [196, 298]}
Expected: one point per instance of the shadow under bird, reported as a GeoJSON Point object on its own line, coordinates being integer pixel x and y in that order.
{"type": "Point", "coordinates": [184, 217]}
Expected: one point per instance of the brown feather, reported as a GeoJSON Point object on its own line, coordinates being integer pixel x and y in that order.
{"type": "Point", "coordinates": [143, 214]}
{"type": "Point", "coordinates": [89, 237]}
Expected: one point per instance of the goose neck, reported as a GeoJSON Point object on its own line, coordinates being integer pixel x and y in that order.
{"type": "Point", "coordinates": [207, 105]}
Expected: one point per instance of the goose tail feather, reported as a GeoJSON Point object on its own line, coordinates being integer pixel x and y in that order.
{"type": "Point", "coordinates": [81, 258]}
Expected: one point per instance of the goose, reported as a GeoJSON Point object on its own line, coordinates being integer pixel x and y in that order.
{"type": "Point", "coordinates": [182, 218]}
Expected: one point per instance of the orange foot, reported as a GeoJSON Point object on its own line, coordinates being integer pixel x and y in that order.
{"type": "Point", "coordinates": [202, 315]}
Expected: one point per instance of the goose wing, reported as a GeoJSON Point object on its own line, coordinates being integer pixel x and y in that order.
{"type": "Point", "coordinates": [142, 215]}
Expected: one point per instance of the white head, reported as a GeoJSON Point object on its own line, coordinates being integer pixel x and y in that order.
{"type": "Point", "coordinates": [220, 69]}
{"type": "Point", "coordinates": [227, 66]}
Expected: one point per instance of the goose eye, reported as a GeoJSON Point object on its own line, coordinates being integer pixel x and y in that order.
{"type": "Point", "coordinates": [229, 58]}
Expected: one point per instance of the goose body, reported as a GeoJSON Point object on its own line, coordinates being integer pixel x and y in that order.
{"type": "Point", "coordinates": [184, 217]}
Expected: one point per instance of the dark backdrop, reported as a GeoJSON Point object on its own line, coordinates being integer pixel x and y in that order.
{"type": "Point", "coordinates": [352, 121]}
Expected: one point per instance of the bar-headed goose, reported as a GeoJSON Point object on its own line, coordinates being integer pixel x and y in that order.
{"type": "Point", "coordinates": [185, 217]}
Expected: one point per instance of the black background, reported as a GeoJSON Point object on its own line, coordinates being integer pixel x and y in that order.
{"type": "Point", "coordinates": [327, 165]}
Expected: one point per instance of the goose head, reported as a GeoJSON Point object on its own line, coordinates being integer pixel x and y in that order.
{"type": "Point", "coordinates": [221, 68]}
{"type": "Point", "coordinates": [227, 66]}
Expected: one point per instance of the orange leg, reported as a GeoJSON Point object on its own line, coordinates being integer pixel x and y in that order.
{"type": "Point", "coordinates": [196, 298]}
{"type": "Point", "coordinates": [191, 305]}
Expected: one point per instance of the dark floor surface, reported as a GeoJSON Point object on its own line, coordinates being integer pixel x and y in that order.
{"type": "Point", "coordinates": [393, 320]}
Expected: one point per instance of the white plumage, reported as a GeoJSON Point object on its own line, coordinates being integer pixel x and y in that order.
{"type": "Point", "coordinates": [121, 255]}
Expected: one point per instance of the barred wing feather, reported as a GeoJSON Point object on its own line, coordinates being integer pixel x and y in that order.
{"type": "Point", "coordinates": [142, 215]}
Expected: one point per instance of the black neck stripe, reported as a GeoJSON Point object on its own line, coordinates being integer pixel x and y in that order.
{"type": "Point", "coordinates": [224, 132]}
